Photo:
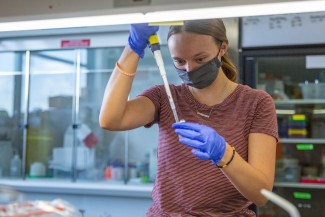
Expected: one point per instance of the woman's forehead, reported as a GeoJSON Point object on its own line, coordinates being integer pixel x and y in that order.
{"type": "Point", "coordinates": [191, 44]}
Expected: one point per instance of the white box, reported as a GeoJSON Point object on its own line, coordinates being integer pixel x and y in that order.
{"type": "Point", "coordinates": [62, 157]}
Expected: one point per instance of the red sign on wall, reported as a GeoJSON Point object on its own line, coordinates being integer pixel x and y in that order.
{"type": "Point", "coordinates": [75, 43]}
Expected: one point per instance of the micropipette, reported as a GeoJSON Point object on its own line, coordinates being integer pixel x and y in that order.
{"type": "Point", "coordinates": [155, 48]}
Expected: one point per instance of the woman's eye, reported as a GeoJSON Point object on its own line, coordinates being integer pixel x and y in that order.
{"type": "Point", "coordinates": [200, 60]}
{"type": "Point", "coordinates": [178, 62]}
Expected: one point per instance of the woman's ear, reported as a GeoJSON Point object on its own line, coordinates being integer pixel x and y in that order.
{"type": "Point", "coordinates": [224, 48]}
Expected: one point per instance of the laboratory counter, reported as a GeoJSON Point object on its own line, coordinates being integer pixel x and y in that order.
{"type": "Point", "coordinates": [93, 198]}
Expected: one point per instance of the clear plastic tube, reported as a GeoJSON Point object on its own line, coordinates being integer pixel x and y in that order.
{"type": "Point", "coordinates": [281, 202]}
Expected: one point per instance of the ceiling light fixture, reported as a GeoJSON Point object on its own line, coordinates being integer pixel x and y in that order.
{"type": "Point", "coordinates": [170, 15]}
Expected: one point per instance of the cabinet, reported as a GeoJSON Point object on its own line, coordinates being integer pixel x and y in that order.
{"type": "Point", "coordinates": [300, 171]}
{"type": "Point", "coordinates": [300, 165]}
{"type": "Point", "coordinates": [50, 102]}
{"type": "Point", "coordinates": [281, 58]}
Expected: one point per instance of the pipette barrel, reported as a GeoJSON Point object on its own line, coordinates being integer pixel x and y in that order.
{"type": "Point", "coordinates": [155, 48]}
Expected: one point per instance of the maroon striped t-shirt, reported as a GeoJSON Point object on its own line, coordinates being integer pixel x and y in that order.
{"type": "Point", "coordinates": [188, 186]}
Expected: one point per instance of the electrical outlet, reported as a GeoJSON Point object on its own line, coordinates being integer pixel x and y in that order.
{"type": "Point", "coordinates": [130, 3]}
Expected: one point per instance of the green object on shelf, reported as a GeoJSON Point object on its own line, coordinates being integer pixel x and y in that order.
{"type": "Point", "coordinates": [305, 147]}
{"type": "Point", "coordinates": [144, 179]}
{"type": "Point", "coordinates": [302, 195]}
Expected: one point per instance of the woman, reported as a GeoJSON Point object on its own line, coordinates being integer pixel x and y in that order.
{"type": "Point", "coordinates": [217, 161]}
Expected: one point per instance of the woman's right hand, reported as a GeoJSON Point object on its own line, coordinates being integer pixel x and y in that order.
{"type": "Point", "coordinates": [139, 35]}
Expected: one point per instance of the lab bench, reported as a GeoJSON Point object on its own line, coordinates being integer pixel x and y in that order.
{"type": "Point", "coordinates": [93, 199]}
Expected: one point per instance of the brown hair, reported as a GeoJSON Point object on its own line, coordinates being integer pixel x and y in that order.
{"type": "Point", "coordinates": [214, 28]}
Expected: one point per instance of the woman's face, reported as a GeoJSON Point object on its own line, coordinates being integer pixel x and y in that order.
{"type": "Point", "coordinates": [190, 50]}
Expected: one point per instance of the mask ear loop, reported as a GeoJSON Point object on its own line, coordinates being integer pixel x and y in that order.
{"type": "Point", "coordinates": [221, 42]}
{"type": "Point", "coordinates": [219, 63]}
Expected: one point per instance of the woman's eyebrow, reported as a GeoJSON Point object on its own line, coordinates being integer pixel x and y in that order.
{"type": "Point", "coordinates": [195, 55]}
{"type": "Point", "coordinates": [200, 54]}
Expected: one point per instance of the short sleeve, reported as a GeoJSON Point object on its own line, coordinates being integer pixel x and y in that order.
{"type": "Point", "coordinates": [154, 94]}
{"type": "Point", "coordinates": [265, 120]}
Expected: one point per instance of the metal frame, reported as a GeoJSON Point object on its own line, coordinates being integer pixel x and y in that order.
{"type": "Point", "coordinates": [26, 107]}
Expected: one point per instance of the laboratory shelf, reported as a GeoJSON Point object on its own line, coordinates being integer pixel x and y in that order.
{"type": "Point", "coordinates": [304, 140]}
{"type": "Point", "coordinates": [299, 185]}
{"type": "Point", "coordinates": [76, 188]}
{"type": "Point", "coordinates": [299, 101]}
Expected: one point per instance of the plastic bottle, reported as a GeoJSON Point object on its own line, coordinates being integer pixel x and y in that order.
{"type": "Point", "coordinates": [39, 138]}
{"type": "Point", "coordinates": [153, 165]}
{"type": "Point", "coordinates": [146, 162]}
{"type": "Point", "coordinates": [108, 171]}
{"type": "Point", "coordinates": [117, 170]}
{"type": "Point", "coordinates": [15, 165]}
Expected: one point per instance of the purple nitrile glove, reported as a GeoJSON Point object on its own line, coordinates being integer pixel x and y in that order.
{"type": "Point", "coordinates": [207, 143]}
{"type": "Point", "coordinates": [139, 35]}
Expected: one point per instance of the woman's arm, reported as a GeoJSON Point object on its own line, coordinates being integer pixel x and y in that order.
{"type": "Point", "coordinates": [250, 177]}
{"type": "Point", "coordinates": [117, 113]}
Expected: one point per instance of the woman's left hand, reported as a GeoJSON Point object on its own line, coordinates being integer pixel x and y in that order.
{"type": "Point", "coordinates": [207, 143]}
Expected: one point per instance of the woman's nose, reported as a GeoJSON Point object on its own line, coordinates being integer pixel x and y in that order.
{"type": "Point", "coordinates": [190, 67]}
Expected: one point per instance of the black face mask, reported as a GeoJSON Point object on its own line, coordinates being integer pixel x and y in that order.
{"type": "Point", "coordinates": [203, 76]}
